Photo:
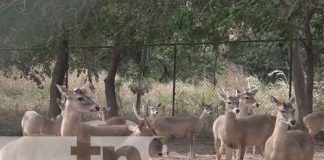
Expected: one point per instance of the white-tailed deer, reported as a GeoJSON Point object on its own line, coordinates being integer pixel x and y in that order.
{"type": "Point", "coordinates": [284, 144]}
{"type": "Point", "coordinates": [76, 103]}
{"type": "Point", "coordinates": [246, 103]}
{"type": "Point", "coordinates": [154, 112]}
{"type": "Point", "coordinates": [314, 122]}
{"type": "Point", "coordinates": [34, 124]}
{"type": "Point", "coordinates": [182, 126]}
{"type": "Point", "coordinates": [239, 133]}
{"type": "Point", "coordinates": [117, 120]}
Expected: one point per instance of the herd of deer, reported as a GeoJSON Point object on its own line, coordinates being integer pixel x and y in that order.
{"type": "Point", "coordinates": [237, 129]}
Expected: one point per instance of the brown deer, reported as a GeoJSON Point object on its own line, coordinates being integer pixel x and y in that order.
{"type": "Point", "coordinates": [76, 104]}
{"type": "Point", "coordinates": [117, 120]}
{"type": "Point", "coordinates": [35, 124]}
{"type": "Point", "coordinates": [246, 103]}
{"type": "Point", "coordinates": [182, 126]}
{"type": "Point", "coordinates": [284, 144]}
{"type": "Point", "coordinates": [154, 112]}
{"type": "Point", "coordinates": [314, 122]}
{"type": "Point", "coordinates": [239, 133]}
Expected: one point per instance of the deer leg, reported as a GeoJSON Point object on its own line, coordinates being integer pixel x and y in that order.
{"type": "Point", "coordinates": [228, 152]}
{"type": "Point", "coordinates": [234, 153]}
{"type": "Point", "coordinates": [241, 152]}
{"type": "Point", "coordinates": [260, 147]}
{"type": "Point", "coordinates": [218, 148]}
{"type": "Point", "coordinates": [193, 145]}
{"type": "Point", "coordinates": [190, 140]}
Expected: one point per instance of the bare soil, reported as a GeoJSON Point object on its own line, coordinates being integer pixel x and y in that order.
{"type": "Point", "coordinates": [204, 150]}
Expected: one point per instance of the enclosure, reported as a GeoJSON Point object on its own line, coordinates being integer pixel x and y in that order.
{"type": "Point", "coordinates": [133, 54]}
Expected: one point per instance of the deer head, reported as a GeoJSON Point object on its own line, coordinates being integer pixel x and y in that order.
{"type": "Point", "coordinates": [286, 112]}
{"type": "Point", "coordinates": [232, 103]}
{"type": "Point", "coordinates": [77, 100]}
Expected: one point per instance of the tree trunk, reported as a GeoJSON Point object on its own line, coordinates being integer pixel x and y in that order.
{"type": "Point", "coordinates": [309, 69]}
{"type": "Point", "coordinates": [298, 79]}
{"type": "Point", "coordinates": [140, 85]}
{"type": "Point", "coordinates": [138, 102]}
{"type": "Point", "coordinates": [60, 69]}
{"type": "Point", "coordinates": [110, 88]}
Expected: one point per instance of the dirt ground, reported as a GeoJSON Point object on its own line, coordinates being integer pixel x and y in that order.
{"type": "Point", "coordinates": [178, 150]}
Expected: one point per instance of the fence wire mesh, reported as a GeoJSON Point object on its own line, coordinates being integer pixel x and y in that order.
{"type": "Point", "coordinates": [200, 74]}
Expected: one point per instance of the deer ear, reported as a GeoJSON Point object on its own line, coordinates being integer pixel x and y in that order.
{"type": "Point", "coordinates": [159, 105]}
{"type": "Point", "coordinates": [255, 91]}
{"type": "Point", "coordinates": [292, 100]}
{"type": "Point", "coordinates": [62, 89]}
{"type": "Point", "coordinates": [60, 104]}
{"type": "Point", "coordinates": [275, 100]}
{"type": "Point", "coordinates": [132, 128]}
{"type": "Point", "coordinates": [141, 125]}
{"type": "Point", "coordinates": [81, 90]}
{"type": "Point", "coordinates": [222, 96]}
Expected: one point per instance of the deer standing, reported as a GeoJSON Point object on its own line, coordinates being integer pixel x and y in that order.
{"type": "Point", "coordinates": [154, 112]}
{"type": "Point", "coordinates": [314, 122]}
{"type": "Point", "coordinates": [246, 102]}
{"type": "Point", "coordinates": [239, 133]}
{"type": "Point", "coordinates": [284, 144]}
{"type": "Point", "coordinates": [182, 126]}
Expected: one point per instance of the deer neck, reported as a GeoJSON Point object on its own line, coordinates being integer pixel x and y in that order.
{"type": "Point", "coordinates": [203, 117]}
{"type": "Point", "coordinates": [244, 111]}
{"type": "Point", "coordinates": [230, 121]}
{"type": "Point", "coordinates": [104, 116]}
{"type": "Point", "coordinates": [279, 133]}
{"type": "Point", "coordinates": [70, 123]}
{"type": "Point", "coordinates": [153, 116]}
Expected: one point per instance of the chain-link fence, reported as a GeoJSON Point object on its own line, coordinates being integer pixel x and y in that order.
{"type": "Point", "coordinates": [197, 76]}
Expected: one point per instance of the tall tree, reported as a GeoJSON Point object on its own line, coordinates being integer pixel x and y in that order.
{"type": "Point", "coordinates": [299, 16]}
{"type": "Point", "coordinates": [59, 72]}
{"type": "Point", "coordinates": [110, 88]}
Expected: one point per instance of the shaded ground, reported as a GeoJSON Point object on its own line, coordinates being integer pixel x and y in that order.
{"type": "Point", "coordinates": [205, 150]}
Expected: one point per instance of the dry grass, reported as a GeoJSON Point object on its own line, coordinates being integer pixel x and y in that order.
{"type": "Point", "coordinates": [16, 96]}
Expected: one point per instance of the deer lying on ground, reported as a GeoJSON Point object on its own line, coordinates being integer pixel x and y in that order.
{"type": "Point", "coordinates": [182, 126]}
{"type": "Point", "coordinates": [76, 104]}
{"type": "Point", "coordinates": [33, 123]}
{"type": "Point", "coordinates": [239, 133]}
{"type": "Point", "coordinates": [284, 144]}
{"type": "Point", "coordinates": [314, 122]}
{"type": "Point", "coordinates": [117, 120]}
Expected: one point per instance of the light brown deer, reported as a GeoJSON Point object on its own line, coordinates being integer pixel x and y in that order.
{"type": "Point", "coordinates": [246, 103]}
{"type": "Point", "coordinates": [284, 144]}
{"type": "Point", "coordinates": [239, 133]}
{"type": "Point", "coordinates": [117, 120]}
{"type": "Point", "coordinates": [154, 112]}
{"type": "Point", "coordinates": [76, 104]}
{"type": "Point", "coordinates": [182, 126]}
{"type": "Point", "coordinates": [314, 122]}
{"type": "Point", "coordinates": [34, 124]}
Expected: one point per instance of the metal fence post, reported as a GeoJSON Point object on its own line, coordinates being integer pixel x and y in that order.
{"type": "Point", "coordinates": [174, 79]}
{"type": "Point", "coordinates": [290, 67]}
